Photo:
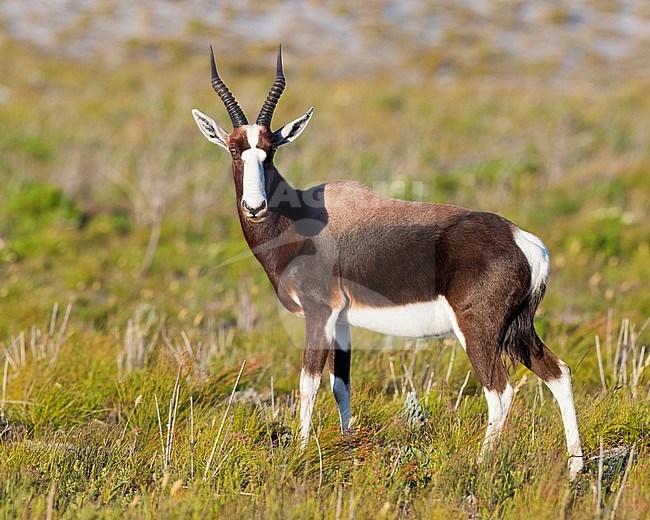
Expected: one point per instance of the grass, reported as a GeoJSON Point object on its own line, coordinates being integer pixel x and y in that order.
{"type": "Point", "coordinates": [92, 168]}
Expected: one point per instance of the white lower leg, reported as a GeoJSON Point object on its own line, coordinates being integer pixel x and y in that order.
{"type": "Point", "coordinates": [498, 406]}
{"type": "Point", "coordinates": [308, 387]}
{"type": "Point", "coordinates": [561, 390]}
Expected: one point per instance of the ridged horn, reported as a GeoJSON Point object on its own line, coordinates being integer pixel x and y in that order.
{"type": "Point", "coordinates": [234, 110]}
{"type": "Point", "coordinates": [266, 113]}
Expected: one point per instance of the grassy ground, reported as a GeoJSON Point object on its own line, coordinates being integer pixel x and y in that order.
{"type": "Point", "coordinates": [128, 302]}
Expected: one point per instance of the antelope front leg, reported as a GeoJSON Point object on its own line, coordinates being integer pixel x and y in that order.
{"type": "Point", "coordinates": [318, 342]}
{"type": "Point", "coordinates": [340, 374]}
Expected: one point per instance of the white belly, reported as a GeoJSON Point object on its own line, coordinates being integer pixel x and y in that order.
{"type": "Point", "coordinates": [415, 320]}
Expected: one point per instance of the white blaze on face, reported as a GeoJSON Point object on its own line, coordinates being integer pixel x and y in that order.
{"type": "Point", "coordinates": [254, 190]}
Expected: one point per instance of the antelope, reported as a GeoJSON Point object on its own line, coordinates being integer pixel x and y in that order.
{"type": "Point", "coordinates": [339, 254]}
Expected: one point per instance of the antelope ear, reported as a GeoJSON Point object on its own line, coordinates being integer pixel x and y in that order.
{"type": "Point", "coordinates": [210, 129]}
{"type": "Point", "coordinates": [290, 132]}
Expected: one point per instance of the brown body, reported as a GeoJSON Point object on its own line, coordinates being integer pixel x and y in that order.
{"type": "Point", "coordinates": [341, 245]}
{"type": "Point", "coordinates": [339, 254]}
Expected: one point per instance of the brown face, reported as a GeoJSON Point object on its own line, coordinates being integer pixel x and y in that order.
{"type": "Point", "coordinates": [251, 146]}
{"type": "Point", "coordinates": [239, 141]}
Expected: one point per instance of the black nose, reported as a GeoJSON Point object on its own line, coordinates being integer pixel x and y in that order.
{"type": "Point", "coordinates": [254, 211]}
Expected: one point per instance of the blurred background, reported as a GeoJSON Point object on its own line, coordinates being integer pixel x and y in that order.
{"type": "Point", "coordinates": [417, 38]}
{"type": "Point", "coordinates": [122, 259]}
{"type": "Point", "coordinates": [537, 110]}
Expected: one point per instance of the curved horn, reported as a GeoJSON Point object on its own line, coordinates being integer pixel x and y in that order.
{"type": "Point", "coordinates": [234, 110]}
{"type": "Point", "coordinates": [274, 95]}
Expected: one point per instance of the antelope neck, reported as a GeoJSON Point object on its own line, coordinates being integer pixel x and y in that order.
{"type": "Point", "coordinates": [274, 236]}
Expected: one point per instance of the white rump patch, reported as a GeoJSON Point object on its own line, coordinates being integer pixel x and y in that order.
{"type": "Point", "coordinates": [415, 320]}
{"type": "Point", "coordinates": [537, 255]}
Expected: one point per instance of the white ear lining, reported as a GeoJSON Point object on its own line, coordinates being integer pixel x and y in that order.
{"type": "Point", "coordinates": [291, 131]}
{"type": "Point", "coordinates": [211, 130]}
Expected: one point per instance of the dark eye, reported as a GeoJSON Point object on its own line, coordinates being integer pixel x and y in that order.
{"type": "Point", "coordinates": [234, 152]}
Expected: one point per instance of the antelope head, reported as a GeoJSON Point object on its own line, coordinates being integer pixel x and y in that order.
{"type": "Point", "coordinates": [251, 147]}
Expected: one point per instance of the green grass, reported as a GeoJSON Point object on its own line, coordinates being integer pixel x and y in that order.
{"type": "Point", "coordinates": [90, 166]}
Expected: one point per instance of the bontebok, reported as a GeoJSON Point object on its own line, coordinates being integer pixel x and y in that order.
{"type": "Point", "coordinates": [340, 254]}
